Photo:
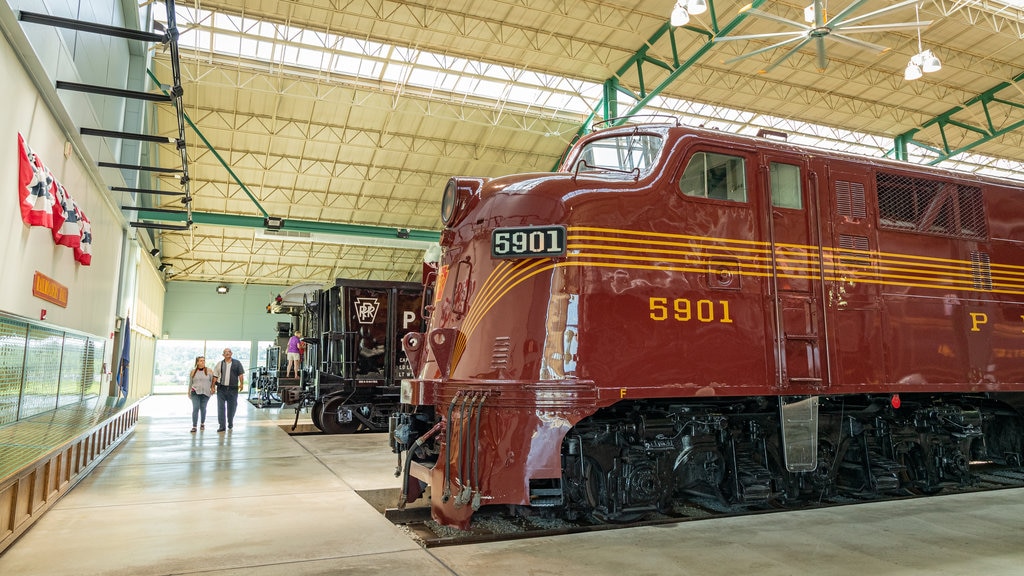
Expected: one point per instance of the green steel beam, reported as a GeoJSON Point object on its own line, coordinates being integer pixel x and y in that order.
{"type": "Point", "coordinates": [985, 132]}
{"type": "Point", "coordinates": [213, 150]}
{"type": "Point", "coordinates": [238, 221]}
{"type": "Point", "coordinates": [607, 108]}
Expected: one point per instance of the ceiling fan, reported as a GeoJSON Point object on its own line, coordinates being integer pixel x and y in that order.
{"type": "Point", "coordinates": [818, 27]}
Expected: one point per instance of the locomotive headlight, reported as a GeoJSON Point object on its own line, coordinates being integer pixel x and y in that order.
{"type": "Point", "coordinates": [448, 201]}
{"type": "Point", "coordinates": [460, 194]}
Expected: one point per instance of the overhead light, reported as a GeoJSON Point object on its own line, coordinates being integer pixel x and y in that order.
{"type": "Point", "coordinates": [913, 71]}
{"type": "Point", "coordinates": [163, 266]}
{"type": "Point", "coordinates": [683, 9]}
{"type": "Point", "coordinates": [154, 251]}
{"type": "Point", "coordinates": [923, 61]}
{"type": "Point", "coordinates": [680, 17]}
{"type": "Point", "coordinates": [222, 289]}
{"type": "Point", "coordinates": [272, 223]}
{"type": "Point", "coordinates": [930, 62]}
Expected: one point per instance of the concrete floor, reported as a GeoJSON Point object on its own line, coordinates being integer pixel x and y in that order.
{"type": "Point", "coordinates": [259, 502]}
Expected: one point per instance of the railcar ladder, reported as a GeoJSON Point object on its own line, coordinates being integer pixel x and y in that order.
{"type": "Point", "coordinates": [813, 360]}
{"type": "Point", "coordinates": [801, 330]}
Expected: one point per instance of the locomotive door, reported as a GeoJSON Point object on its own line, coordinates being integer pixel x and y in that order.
{"type": "Point", "coordinates": [796, 287]}
{"type": "Point", "coordinates": [853, 306]}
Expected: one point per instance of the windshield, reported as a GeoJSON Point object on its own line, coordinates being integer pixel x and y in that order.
{"type": "Point", "coordinates": [634, 152]}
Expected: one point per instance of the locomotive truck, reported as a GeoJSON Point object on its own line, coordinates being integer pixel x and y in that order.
{"type": "Point", "coordinates": [680, 313]}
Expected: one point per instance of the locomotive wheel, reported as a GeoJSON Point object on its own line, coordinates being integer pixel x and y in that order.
{"type": "Point", "coordinates": [916, 476]}
{"type": "Point", "coordinates": [595, 489]}
{"type": "Point", "coordinates": [329, 418]}
{"type": "Point", "coordinates": [314, 413]}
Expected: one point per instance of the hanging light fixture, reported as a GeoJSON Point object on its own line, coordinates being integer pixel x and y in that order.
{"type": "Point", "coordinates": [913, 71]}
{"type": "Point", "coordinates": [930, 62]}
{"type": "Point", "coordinates": [680, 17]}
{"type": "Point", "coordinates": [923, 61]}
{"type": "Point", "coordinates": [683, 9]}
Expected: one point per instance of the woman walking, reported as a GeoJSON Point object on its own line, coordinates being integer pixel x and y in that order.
{"type": "Point", "coordinates": [200, 389]}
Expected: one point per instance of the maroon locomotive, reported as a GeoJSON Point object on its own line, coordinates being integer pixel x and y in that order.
{"type": "Point", "coordinates": [681, 312]}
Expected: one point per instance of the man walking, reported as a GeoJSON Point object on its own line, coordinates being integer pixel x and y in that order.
{"type": "Point", "coordinates": [229, 378]}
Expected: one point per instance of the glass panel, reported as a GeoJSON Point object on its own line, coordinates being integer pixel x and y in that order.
{"type": "Point", "coordinates": [786, 186]}
{"type": "Point", "coordinates": [94, 366]}
{"type": "Point", "coordinates": [72, 370]}
{"type": "Point", "coordinates": [12, 355]}
{"type": "Point", "coordinates": [42, 371]}
{"type": "Point", "coordinates": [621, 153]}
{"type": "Point", "coordinates": [715, 176]}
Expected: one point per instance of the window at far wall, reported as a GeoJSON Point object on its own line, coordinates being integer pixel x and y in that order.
{"type": "Point", "coordinates": [240, 350]}
{"type": "Point", "coordinates": [175, 359]}
{"type": "Point", "coordinates": [786, 186]}
{"type": "Point", "coordinates": [261, 349]}
{"type": "Point", "coordinates": [173, 362]}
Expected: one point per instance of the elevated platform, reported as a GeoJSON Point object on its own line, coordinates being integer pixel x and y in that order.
{"type": "Point", "coordinates": [44, 456]}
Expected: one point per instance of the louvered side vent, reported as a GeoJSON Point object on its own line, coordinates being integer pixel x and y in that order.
{"type": "Point", "coordinates": [501, 352]}
{"type": "Point", "coordinates": [981, 271]}
{"type": "Point", "coordinates": [848, 242]}
{"type": "Point", "coordinates": [850, 199]}
{"type": "Point", "coordinates": [853, 242]}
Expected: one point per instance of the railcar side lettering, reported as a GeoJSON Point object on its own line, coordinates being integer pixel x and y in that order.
{"type": "Point", "coordinates": [685, 310]}
{"type": "Point", "coordinates": [977, 319]}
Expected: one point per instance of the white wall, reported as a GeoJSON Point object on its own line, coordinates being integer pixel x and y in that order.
{"type": "Point", "coordinates": [92, 292]}
{"type": "Point", "coordinates": [122, 278]}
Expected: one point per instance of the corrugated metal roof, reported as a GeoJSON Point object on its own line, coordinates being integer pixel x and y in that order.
{"type": "Point", "coordinates": [358, 112]}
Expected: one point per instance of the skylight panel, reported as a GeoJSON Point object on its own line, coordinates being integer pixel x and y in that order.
{"type": "Point", "coordinates": [360, 67]}
{"type": "Point", "coordinates": [364, 47]}
{"type": "Point", "coordinates": [404, 54]}
{"type": "Point", "coordinates": [204, 30]}
{"type": "Point", "coordinates": [307, 57]}
{"type": "Point", "coordinates": [423, 78]}
{"type": "Point", "coordinates": [445, 82]}
{"type": "Point", "coordinates": [195, 38]}
{"type": "Point", "coordinates": [227, 43]}
{"type": "Point", "coordinates": [524, 95]}
{"type": "Point", "coordinates": [261, 50]}
{"type": "Point", "coordinates": [264, 29]}
{"type": "Point", "coordinates": [481, 88]}
{"type": "Point", "coordinates": [227, 22]}
{"type": "Point", "coordinates": [397, 73]}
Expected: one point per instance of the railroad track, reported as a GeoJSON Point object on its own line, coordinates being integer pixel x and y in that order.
{"type": "Point", "coordinates": [498, 524]}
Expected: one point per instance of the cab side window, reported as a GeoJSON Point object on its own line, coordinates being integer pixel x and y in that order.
{"type": "Point", "coordinates": [715, 176]}
{"type": "Point", "coordinates": [785, 185]}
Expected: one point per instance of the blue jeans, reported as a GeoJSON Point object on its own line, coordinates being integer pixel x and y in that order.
{"type": "Point", "coordinates": [227, 403]}
{"type": "Point", "coordinates": [199, 402]}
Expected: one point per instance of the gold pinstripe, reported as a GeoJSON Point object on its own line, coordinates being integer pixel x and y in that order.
{"type": "Point", "coordinates": [617, 248]}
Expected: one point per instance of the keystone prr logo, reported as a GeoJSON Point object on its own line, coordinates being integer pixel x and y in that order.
{"type": "Point", "coordinates": [366, 310]}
